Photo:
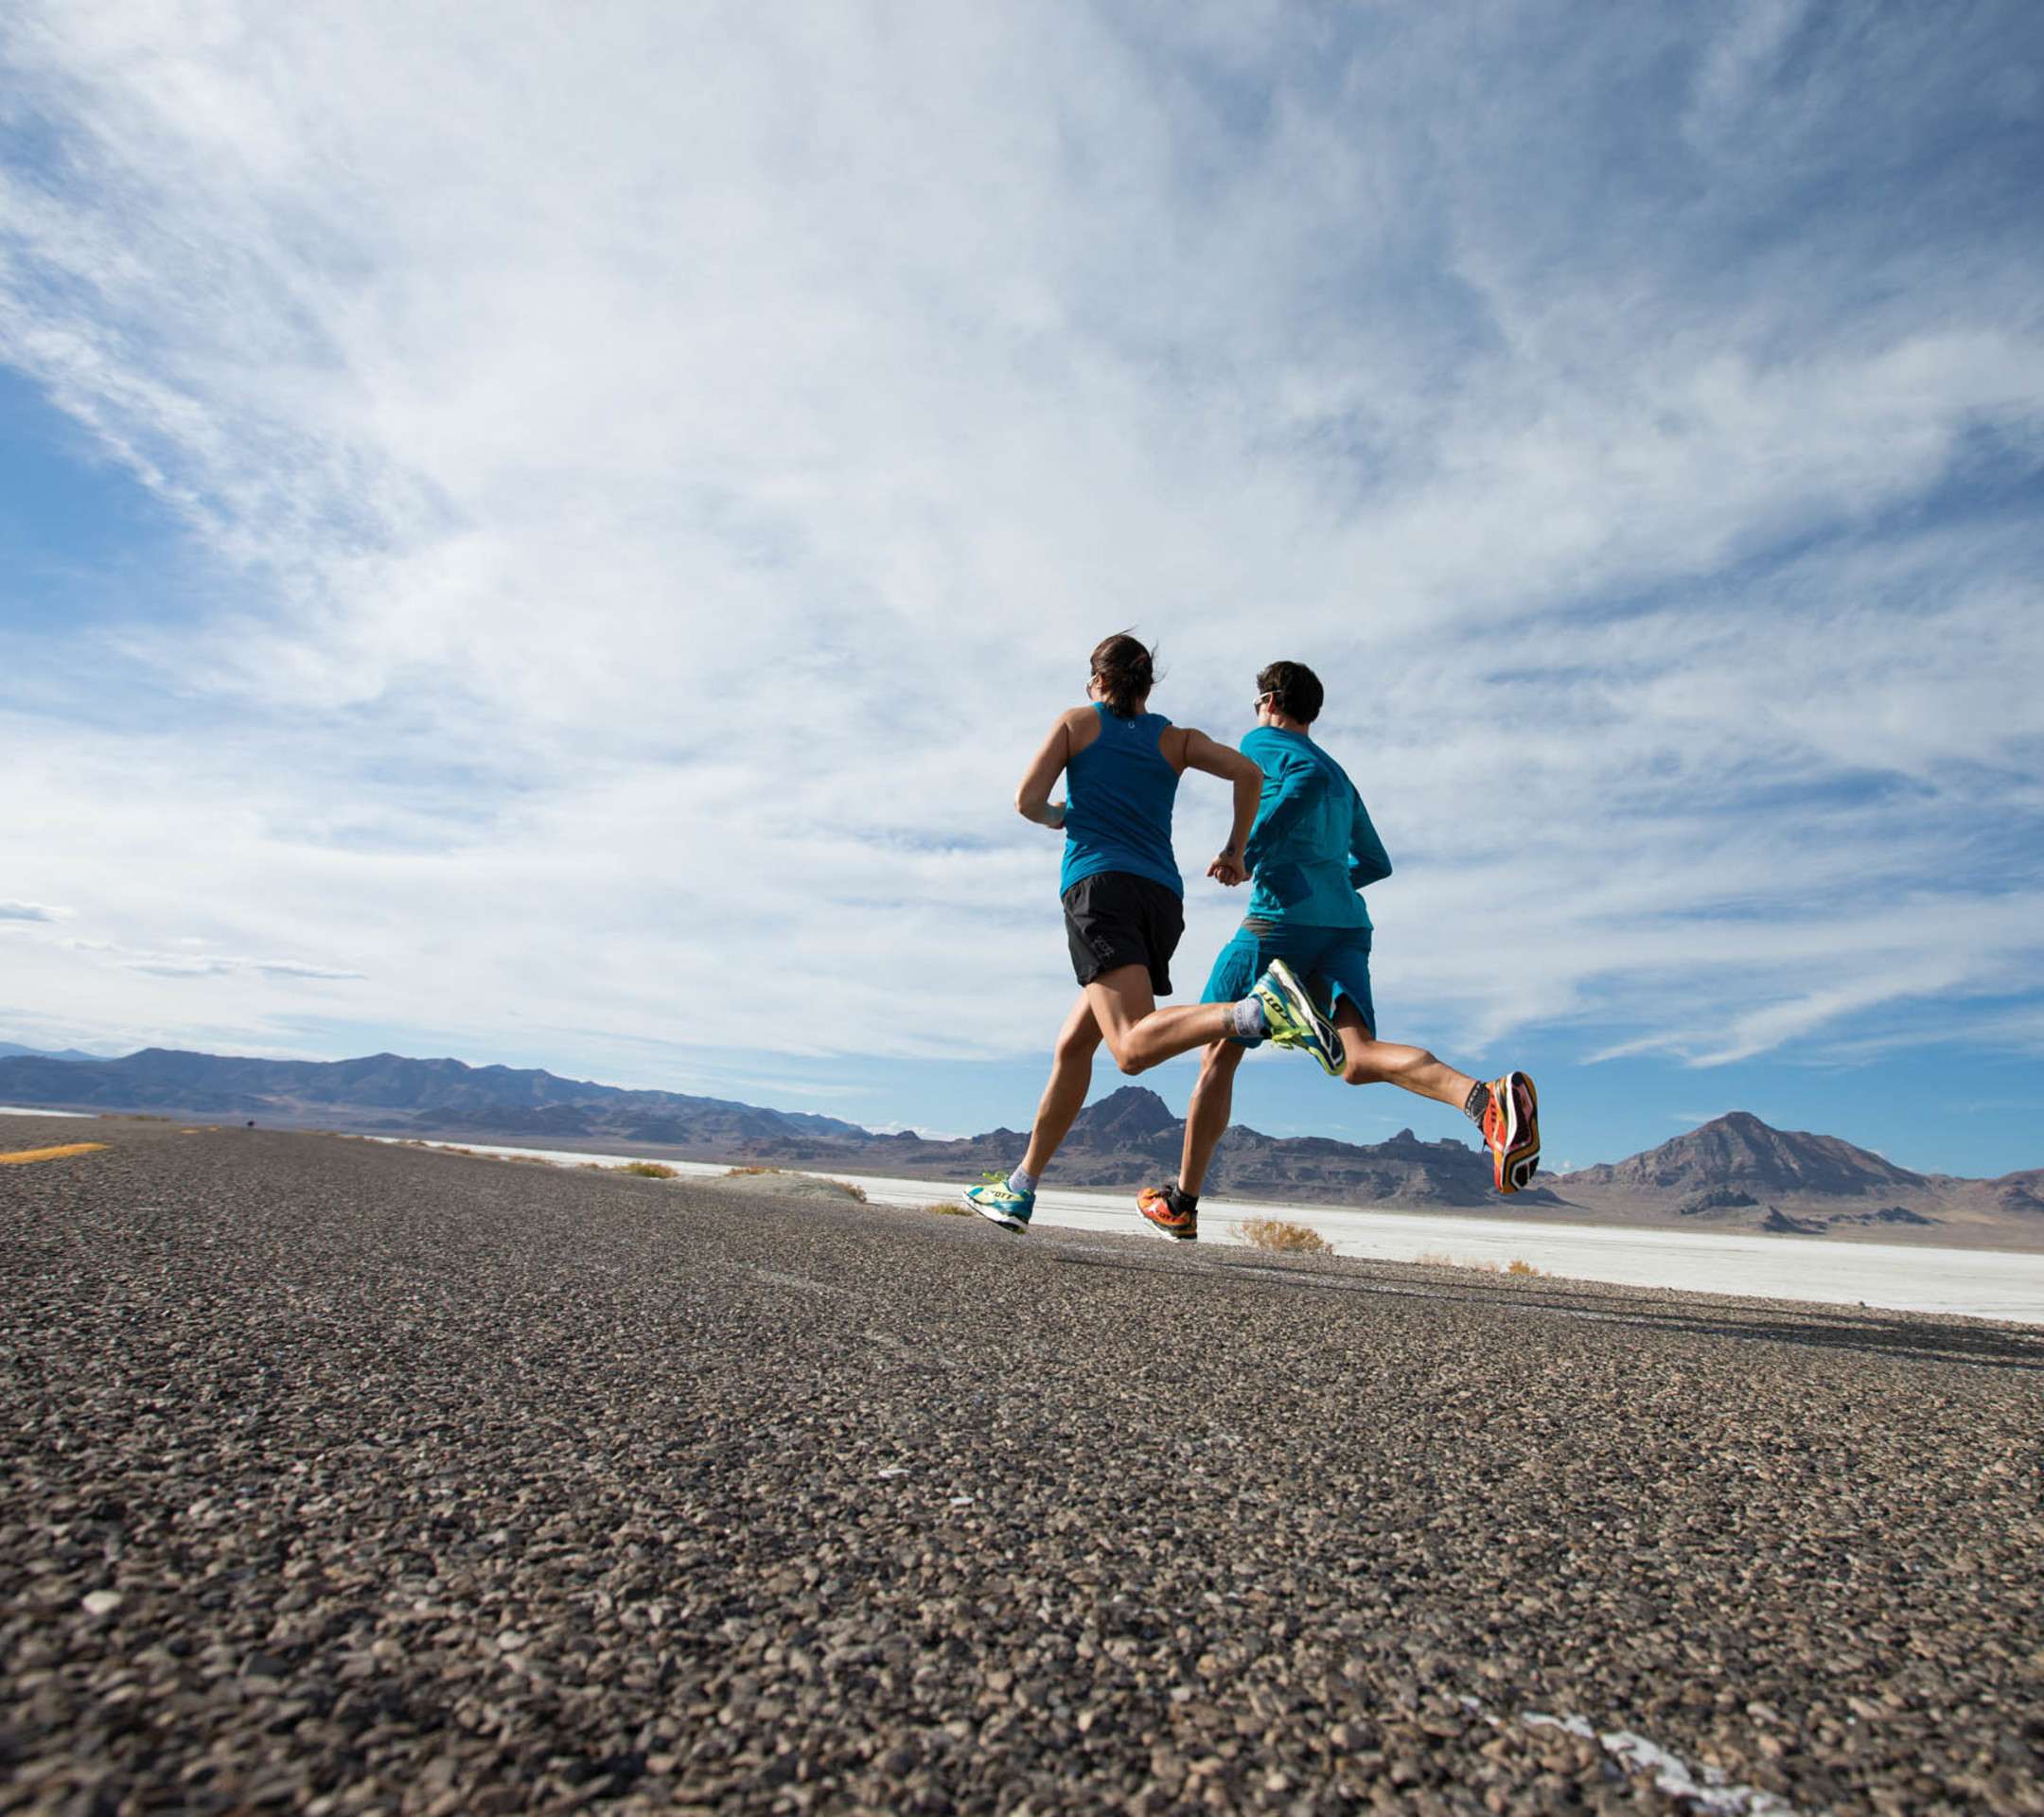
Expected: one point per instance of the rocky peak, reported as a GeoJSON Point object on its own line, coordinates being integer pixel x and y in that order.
{"type": "Point", "coordinates": [1130, 1114]}
{"type": "Point", "coordinates": [1738, 1150]}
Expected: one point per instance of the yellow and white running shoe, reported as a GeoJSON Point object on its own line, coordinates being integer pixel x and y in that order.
{"type": "Point", "coordinates": [1294, 1020]}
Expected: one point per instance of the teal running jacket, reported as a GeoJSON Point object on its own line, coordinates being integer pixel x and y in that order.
{"type": "Point", "coordinates": [1313, 847]}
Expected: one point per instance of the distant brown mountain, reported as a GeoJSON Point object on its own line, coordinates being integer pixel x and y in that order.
{"type": "Point", "coordinates": [2015, 1194]}
{"type": "Point", "coordinates": [1739, 1172]}
{"type": "Point", "coordinates": [1741, 1153]}
{"type": "Point", "coordinates": [391, 1090]}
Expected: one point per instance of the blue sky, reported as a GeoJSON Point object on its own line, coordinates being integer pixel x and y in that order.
{"type": "Point", "coordinates": [552, 545]}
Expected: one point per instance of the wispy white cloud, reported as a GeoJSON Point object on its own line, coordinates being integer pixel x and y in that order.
{"type": "Point", "coordinates": [31, 911]}
{"type": "Point", "coordinates": [927, 1134]}
{"type": "Point", "coordinates": [196, 962]}
{"type": "Point", "coordinates": [176, 965]}
{"type": "Point", "coordinates": [665, 469]}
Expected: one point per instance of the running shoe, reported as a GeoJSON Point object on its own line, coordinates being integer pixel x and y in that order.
{"type": "Point", "coordinates": [1153, 1203]}
{"type": "Point", "coordinates": [1294, 1020]}
{"type": "Point", "coordinates": [999, 1203]}
{"type": "Point", "coordinates": [1511, 1128]}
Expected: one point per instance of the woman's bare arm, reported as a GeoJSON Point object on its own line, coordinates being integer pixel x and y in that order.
{"type": "Point", "coordinates": [1216, 759]}
{"type": "Point", "coordinates": [1032, 794]}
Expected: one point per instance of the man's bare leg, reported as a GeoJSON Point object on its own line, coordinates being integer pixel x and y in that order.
{"type": "Point", "coordinates": [1507, 1110]}
{"type": "Point", "coordinates": [1173, 1211]}
{"type": "Point", "coordinates": [1206, 1117]}
{"type": "Point", "coordinates": [1071, 1078]}
{"type": "Point", "coordinates": [1367, 1061]}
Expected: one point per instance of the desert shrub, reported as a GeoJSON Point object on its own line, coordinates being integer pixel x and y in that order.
{"type": "Point", "coordinates": [648, 1170]}
{"type": "Point", "coordinates": [948, 1208]}
{"type": "Point", "coordinates": [852, 1187]}
{"type": "Point", "coordinates": [1476, 1265]}
{"type": "Point", "coordinates": [1275, 1233]}
{"type": "Point", "coordinates": [741, 1172]}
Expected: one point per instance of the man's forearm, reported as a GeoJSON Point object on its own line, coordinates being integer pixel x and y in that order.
{"type": "Point", "coordinates": [1248, 793]}
{"type": "Point", "coordinates": [1050, 814]}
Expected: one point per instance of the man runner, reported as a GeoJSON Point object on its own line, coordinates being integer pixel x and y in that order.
{"type": "Point", "coordinates": [1123, 910]}
{"type": "Point", "coordinates": [1312, 850]}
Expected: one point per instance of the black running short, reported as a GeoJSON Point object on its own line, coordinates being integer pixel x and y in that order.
{"type": "Point", "coordinates": [1114, 917]}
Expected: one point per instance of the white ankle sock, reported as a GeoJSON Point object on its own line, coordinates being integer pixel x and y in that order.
{"type": "Point", "coordinates": [1021, 1182]}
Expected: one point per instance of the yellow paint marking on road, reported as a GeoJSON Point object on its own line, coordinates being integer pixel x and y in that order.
{"type": "Point", "coordinates": [22, 1155]}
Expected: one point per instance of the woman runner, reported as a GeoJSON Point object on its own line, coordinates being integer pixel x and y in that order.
{"type": "Point", "coordinates": [1123, 904]}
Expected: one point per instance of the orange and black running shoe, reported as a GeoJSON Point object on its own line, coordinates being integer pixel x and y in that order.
{"type": "Point", "coordinates": [1158, 1212]}
{"type": "Point", "coordinates": [1511, 1127]}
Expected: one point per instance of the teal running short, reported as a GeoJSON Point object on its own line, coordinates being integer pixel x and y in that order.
{"type": "Point", "coordinates": [1333, 961]}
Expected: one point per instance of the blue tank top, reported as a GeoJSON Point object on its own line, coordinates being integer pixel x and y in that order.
{"type": "Point", "coordinates": [1118, 805]}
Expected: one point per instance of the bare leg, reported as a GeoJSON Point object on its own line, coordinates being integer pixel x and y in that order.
{"type": "Point", "coordinates": [1206, 1118]}
{"type": "Point", "coordinates": [1140, 1035]}
{"type": "Point", "coordinates": [1071, 1078]}
{"type": "Point", "coordinates": [1367, 1061]}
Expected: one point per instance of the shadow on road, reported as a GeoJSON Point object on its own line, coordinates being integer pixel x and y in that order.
{"type": "Point", "coordinates": [1871, 1333]}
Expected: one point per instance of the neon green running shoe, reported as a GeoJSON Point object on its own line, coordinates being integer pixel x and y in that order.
{"type": "Point", "coordinates": [1294, 1020]}
{"type": "Point", "coordinates": [999, 1203]}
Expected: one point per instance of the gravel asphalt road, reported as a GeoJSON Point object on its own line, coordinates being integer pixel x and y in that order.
{"type": "Point", "coordinates": [343, 1478]}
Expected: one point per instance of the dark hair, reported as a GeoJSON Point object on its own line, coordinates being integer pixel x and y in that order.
{"type": "Point", "coordinates": [1294, 689]}
{"type": "Point", "coordinates": [1125, 667]}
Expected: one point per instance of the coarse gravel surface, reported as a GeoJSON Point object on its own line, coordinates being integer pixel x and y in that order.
{"type": "Point", "coordinates": [337, 1476]}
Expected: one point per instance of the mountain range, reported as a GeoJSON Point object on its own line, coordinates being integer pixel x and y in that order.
{"type": "Point", "coordinates": [1734, 1170]}
{"type": "Point", "coordinates": [394, 1092]}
